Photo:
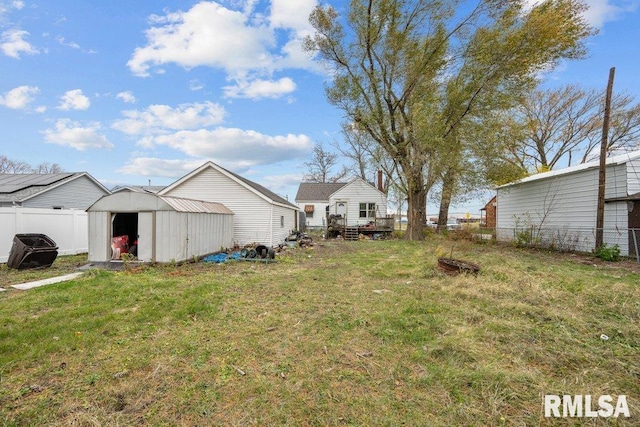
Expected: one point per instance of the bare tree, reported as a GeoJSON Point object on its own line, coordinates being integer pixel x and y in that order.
{"type": "Point", "coordinates": [564, 125]}
{"type": "Point", "coordinates": [320, 166]}
{"type": "Point", "coordinates": [48, 168]}
{"type": "Point", "coordinates": [11, 166]}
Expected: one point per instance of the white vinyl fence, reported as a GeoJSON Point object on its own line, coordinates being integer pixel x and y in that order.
{"type": "Point", "coordinates": [68, 228]}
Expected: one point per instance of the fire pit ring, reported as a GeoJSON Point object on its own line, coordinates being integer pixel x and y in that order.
{"type": "Point", "coordinates": [455, 266]}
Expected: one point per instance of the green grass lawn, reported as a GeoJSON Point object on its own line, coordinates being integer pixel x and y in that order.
{"type": "Point", "coordinates": [346, 333]}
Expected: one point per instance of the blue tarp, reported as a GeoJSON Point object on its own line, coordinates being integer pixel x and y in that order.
{"type": "Point", "coordinates": [222, 257]}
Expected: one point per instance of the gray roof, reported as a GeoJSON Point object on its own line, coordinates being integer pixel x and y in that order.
{"type": "Point", "coordinates": [154, 189]}
{"type": "Point", "coordinates": [16, 187]}
{"type": "Point", "coordinates": [317, 191]}
{"type": "Point", "coordinates": [128, 200]}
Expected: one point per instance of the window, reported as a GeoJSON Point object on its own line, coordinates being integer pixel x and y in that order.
{"type": "Point", "coordinates": [282, 221]}
{"type": "Point", "coordinates": [308, 210]}
{"type": "Point", "coordinates": [367, 210]}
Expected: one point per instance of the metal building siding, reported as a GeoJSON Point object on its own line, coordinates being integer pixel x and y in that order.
{"type": "Point", "coordinates": [99, 241]}
{"type": "Point", "coordinates": [561, 202]}
{"type": "Point", "coordinates": [252, 213]}
{"type": "Point", "coordinates": [79, 193]}
{"type": "Point", "coordinates": [565, 200]}
{"type": "Point", "coordinates": [354, 193]}
{"type": "Point", "coordinates": [633, 176]}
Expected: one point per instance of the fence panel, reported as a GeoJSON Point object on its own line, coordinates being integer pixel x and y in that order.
{"type": "Point", "coordinates": [68, 228]}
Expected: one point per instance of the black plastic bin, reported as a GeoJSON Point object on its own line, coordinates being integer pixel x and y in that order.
{"type": "Point", "coordinates": [32, 251]}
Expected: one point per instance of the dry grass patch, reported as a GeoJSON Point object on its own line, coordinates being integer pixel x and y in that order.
{"type": "Point", "coordinates": [349, 333]}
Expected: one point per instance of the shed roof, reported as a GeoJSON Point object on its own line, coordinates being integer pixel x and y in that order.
{"type": "Point", "coordinates": [134, 201]}
{"type": "Point", "coordinates": [310, 191]}
{"type": "Point", "coordinates": [19, 187]}
{"type": "Point", "coordinates": [615, 160]}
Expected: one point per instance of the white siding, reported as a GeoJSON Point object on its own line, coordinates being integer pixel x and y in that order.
{"type": "Point", "coordinates": [80, 193]}
{"type": "Point", "coordinates": [563, 203]}
{"type": "Point", "coordinates": [99, 240]}
{"type": "Point", "coordinates": [183, 236]}
{"type": "Point", "coordinates": [319, 218]}
{"type": "Point", "coordinates": [284, 221]}
{"type": "Point", "coordinates": [354, 193]}
{"type": "Point", "coordinates": [253, 215]}
{"type": "Point", "coordinates": [633, 176]}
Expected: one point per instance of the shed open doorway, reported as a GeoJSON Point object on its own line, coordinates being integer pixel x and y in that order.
{"type": "Point", "coordinates": [138, 229]}
{"type": "Point", "coordinates": [124, 236]}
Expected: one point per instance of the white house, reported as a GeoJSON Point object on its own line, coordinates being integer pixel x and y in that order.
{"type": "Point", "coordinates": [559, 207]}
{"type": "Point", "coordinates": [357, 200]}
{"type": "Point", "coordinates": [260, 215]}
{"type": "Point", "coordinates": [162, 228]}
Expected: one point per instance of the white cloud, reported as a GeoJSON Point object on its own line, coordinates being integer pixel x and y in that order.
{"type": "Point", "coordinates": [246, 44]}
{"type": "Point", "coordinates": [293, 14]}
{"type": "Point", "coordinates": [127, 97]}
{"type": "Point", "coordinates": [195, 85]}
{"type": "Point", "coordinates": [19, 98]}
{"type": "Point", "coordinates": [5, 6]}
{"type": "Point", "coordinates": [72, 134]}
{"type": "Point", "coordinates": [257, 89]}
{"type": "Point", "coordinates": [207, 34]}
{"type": "Point", "coordinates": [61, 40]}
{"type": "Point", "coordinates": [236, 147]}
{"type": "Point", "coordinates": [12, 43]}
{"type": "Point", "coordinates": [163, 118]}
{"type": "Point", "coordinates": [149, 166]}
{"type": "Point", "coordinates": [281, 183]}
{"type": "Point", "coordinates": [602, 11]}
{"type": "Point", "coordinates": [74, 100]}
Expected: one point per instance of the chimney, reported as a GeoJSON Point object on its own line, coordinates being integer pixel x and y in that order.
{"type": "Point", "coordinates": [380, 186]}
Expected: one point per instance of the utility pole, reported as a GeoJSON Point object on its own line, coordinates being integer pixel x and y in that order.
{"type": "Point", "coordinates": [603, 162]}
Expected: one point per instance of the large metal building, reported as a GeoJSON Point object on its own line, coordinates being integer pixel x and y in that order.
{"type": "Point", "coordinates": [162, 228]}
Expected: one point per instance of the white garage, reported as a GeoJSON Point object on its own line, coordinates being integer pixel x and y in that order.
{"type": "Point", "coordinates": [156, 228]}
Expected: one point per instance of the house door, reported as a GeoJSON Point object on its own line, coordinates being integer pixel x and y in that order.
{"type": "Point", "coordinates": [145, 236]}
{"type": "Point", "coordinates": [341, 209]}
{"type": "Point", "coordinates": [634, 227]}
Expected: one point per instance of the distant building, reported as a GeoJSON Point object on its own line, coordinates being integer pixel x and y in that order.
{"type": "Point", "coordinates": [490, 211]}
{"type": "Point", "coordinates": [67, 190]}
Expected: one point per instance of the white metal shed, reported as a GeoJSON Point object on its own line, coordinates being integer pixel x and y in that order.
{"type": "Point", "coordinates": [560, 206]}
{"type": "Point", "coordinates": [164, 228]}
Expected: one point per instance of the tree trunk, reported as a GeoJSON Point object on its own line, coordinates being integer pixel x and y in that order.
{"type": "Point", "coordinates": [448, 185]}
{"type": "Point", "coordinates": [417, 206]}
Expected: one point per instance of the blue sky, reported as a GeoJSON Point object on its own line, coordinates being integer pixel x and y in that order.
{"type": "Point", "coordinates": [132, 91]}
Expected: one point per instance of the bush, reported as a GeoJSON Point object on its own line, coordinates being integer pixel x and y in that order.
{"type": "Point", "coordinates": [608, 253]}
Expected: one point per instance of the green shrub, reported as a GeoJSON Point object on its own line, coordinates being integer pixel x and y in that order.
{"type": "Point", "coordinates": [608, 253]}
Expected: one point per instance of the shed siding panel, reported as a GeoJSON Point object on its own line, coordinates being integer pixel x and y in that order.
{"type": "Point", "coordinates": [357, 192]}
{"type": "Point", "coordinates": [99, 228]}
{"type": "Point", "coordinates": [77, 194]}
{"type": "Point", "coordinates": [565, 202]}
{"type": "Point", "coordinates": [252, 217]}
{"type": "Point", "coordinates": [633, 176]}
